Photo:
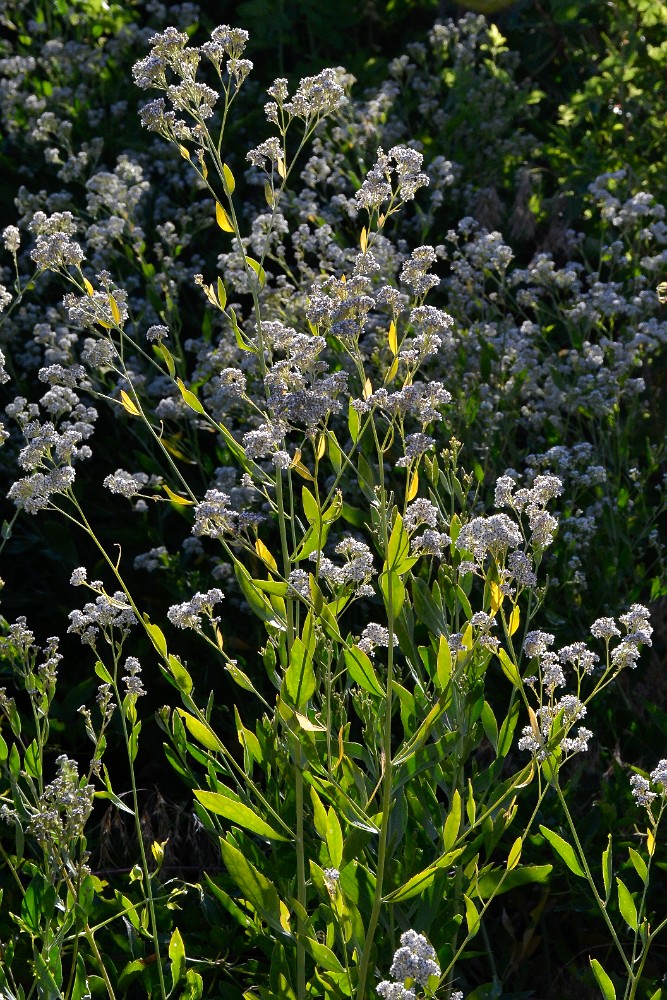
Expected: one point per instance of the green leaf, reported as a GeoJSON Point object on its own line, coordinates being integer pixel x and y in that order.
{"type": "Point", "coordinates": [103, 673]}
{"type": "Point", "coordinates": [490, 725]}
{"type": "Point", "coordinates": [514, 855]}
{"type": "Point", "coordinates": [393, 589]}
{"type": "Point", "coordinates": [452, 823]}
{"type": "Point", "coordinates": [563, 850]}
{"type": "Point", "coordinates": [626, 905]}
{"type": "Point", "coordinates": [334, 838]}
{"type": "Point", "coordinates": [399, 545]}
{"type": "Point", "coordinates": [237, 812]}
{"type": "Point", "coordinates": [416, 885]}
{"type": "Point", "coordinates": [510, 669]}
{"type": "Point", "coordinates": [310, 506]}
{"type": "Point", "coordinates": [38, 904]}
{"type": "Point", "coordinates": [472, 916]}
{"type": "Point", "coordinates": [639, 864]}
{"type": "Point", "coordinates": [500, 880]}
{"type": "Point", "coordinates": [603, 980]}
{"type": "Point", "coordinates": [194, 986]}
{"type": "Point", "coordinates": [256, 888]}
{"type": "Point", "coordinates": [324, 957]}
{"type": "Point", "coordinates": [201, 731]}
{"type": "Point", "coordinates": [222, 294]}
{"type": "Point", "coordinates": [258, 604]}
{"type": "Point", "coordinates": [31, 760]}
{"type": "Point", "coordinates": [300, 681]}
{"type": "Point", "coordinates": [180, 674]}
{"type": "Point", "coordinates": [319, 814]}
{"type": "Point", "coordinates": [190, 398]}
{"type": "Point", "coordinates": [81, 988]}
{"type": "Point", "coordinates": [156, 635]}
{"type": "Point", "coordinates": [168, 359]}
{"type": "Point", "coordinates": [353, 423]}
{"type": "Point", "coordinates": [360, 669]}
{"type": "Point", "coordinates": [607, 863]}
{"type": "Point", "coordinates": [177, 957]}
{"type": "Point", "coordinates": [258, 269]}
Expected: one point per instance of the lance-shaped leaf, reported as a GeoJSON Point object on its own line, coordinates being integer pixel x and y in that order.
{"type": "Point", "coordinates": [235, 811]}
{"type": "Point", "coordinates": [256, 888]}
{"type": "Point", "coordinates": [360, 669]}
{"type": "Point", "coordinates": [626, 905]}
{"type": "Point", "coordinates": [324, 957]}
{"type": "Point", "coordinates": [604, 982]}
{"type": "Point", "coordinates": [563, 850]}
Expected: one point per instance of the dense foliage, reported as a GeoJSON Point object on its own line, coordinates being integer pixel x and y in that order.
{"type": "Point", "coordinates": [340, 394]}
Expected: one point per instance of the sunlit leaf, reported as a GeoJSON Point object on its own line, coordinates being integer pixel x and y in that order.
{"type": "Point", "coordinates": [626, 905]}
{"type": "Point", "coordinates": [223, 219]}
{"type": "Point", "coordinates": [237, 812]}
{"type": "Point", "coordinates": [129, 405]}
{"type": "Point", "coordinates": [603, 980]}
{"type": "Point", "coordinates": [563, 850]}
{"type": "Point", "coordinates": [229, 179]}
{"type": "Point", "coordinates": [175, 498]}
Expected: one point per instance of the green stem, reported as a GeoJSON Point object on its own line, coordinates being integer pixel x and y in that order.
{"type": "Point", "coordinates": [582, 858]}
{"type": "Point", "coordinates": [148, 887]}
{"type": "Point", "coordinates": [386, 752]}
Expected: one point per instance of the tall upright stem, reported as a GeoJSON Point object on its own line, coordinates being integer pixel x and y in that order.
{"type": "Point", "coordinates": [387, 762]}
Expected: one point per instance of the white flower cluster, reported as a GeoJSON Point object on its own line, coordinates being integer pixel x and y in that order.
{"type": "Point", "coordinates": [414, 963]}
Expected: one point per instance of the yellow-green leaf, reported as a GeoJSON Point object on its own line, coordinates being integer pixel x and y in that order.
{"type": "Point", "coordinates": [444, 665]}
{"type": "Point", "coordinates": [223, 219]}
{"type": "Point", "coordinates": [237, 812]}
{"type": "Point", "coordinates": [256, 888]}
{"type": "Point", "coordinates": [626, 905]}
{"type": "Point", "coordinates": [393, 338]}
{"type": "Point", "coordinates": [515, 854]}
{"type": "Point", "coordinates": [563, 850]}
{"type": "Point", "coordinates": [607, 864]}
{"type": "Point", "coordinates": [229, 179]}
{"type": "Point", "coordinates": [514, 619]}
{"type": "Point", "coordinates": [263, 553]}
{"type": "Point", "coordinates": [190, 398]}
{"type": "Point", "coordinates": [413, 486]}
{"type": "Point", "coordinates": [129, 405]}
{"type": "Point", "coordinates": [201, 731]}
{"type": "Point", "coordinates": [175, 498]}
{"type": "Point", "coordinates": [89, 288]}
{"type": "Point", "coordinates": [452, 823]}
{"type": "Point", "coordinates": [180, 674]}
{"type": "Point", "coordinates": [638, 863]}
{"type": "Point", "coordinates": [472, 916]}
{"type": "Point", "coordinates": [115, 311]}
{"type": "Point", "coordinates": [323, 956]}
{"type": "Point", "coordinates": [334, 838]}
{"type": "Point", "coordinates": [177, 957]}
{"type": "Point", "coordinates": [603, 980]}
{"type": "Point", "coordinates": [258, 269]}
{"type": "Point", "coordinates": [360, 669]}
{"type": "Point", "coordinates": [222, 294]}
{"type": "Point", "coordinates": [497, 597]}
{"type": "Point", "coordinates": [168, 360]}
{"type": "Point", "coordinates": [156, 636]}
{"type": "Point", "coordinates": [509, 669]}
